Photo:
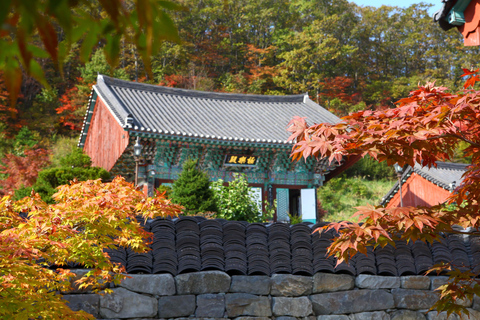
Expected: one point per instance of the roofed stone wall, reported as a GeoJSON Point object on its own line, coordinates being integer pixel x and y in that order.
{"type": "Point", "coordinates": [216, 295]}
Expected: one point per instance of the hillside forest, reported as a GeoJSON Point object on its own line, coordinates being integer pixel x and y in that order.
{"type": "Point", "coordinates": [345, 56]}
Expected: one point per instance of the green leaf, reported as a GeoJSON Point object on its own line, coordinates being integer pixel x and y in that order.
{"type": "Point", "coordinates": [112, 49]}
{"type": "Point", "coordinates": [37, 52]}
{"type": "Point", "coordinates": [37, 72]}
{"type": "Point", "coordinates": [170, 5]}
{"type": "Point", "coordinates": [61, 11]}
{"type": "Point", "coordinates": [87, 45]}
{"type": "Point", "coordinates": [166, 28]}
{"type": "Point", "coordinates": [4, 10]}
{"type": "Point", "coordinates": [13, 80]}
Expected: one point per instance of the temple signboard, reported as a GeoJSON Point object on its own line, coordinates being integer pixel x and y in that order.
{"type": "Point", "coordinates": [240, 160]}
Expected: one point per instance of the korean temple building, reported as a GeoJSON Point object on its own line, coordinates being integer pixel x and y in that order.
{"type": "Point", "coordinates": [227, 133]}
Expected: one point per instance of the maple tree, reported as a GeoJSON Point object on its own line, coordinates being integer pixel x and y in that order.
{"type": "Point", "coordinates": [22, 171]}
{"type": "Point", "coordinates": [424, 128]}
{"type": "Point", "coordinates": [87, 218]}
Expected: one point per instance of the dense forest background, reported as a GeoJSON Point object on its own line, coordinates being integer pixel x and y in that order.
{"type": "Point", "coordinates": [346, 57]}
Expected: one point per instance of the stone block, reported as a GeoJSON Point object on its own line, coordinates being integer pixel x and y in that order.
{"type": "Point", "coordinates": [288, 285]}
{"type": "Point", "coordinates": [366, 281]}
{"type": "Point", "coordinates": [251, 284]}
{"type": "Point", "coordinates": [438, 281]}
{"type": "Point", "coordinates": [79, 273]}
{"type": "Point", "coordinates": [327, 282]}
{"type": "Point", "coordinates": [476, 303]}
{"type": "Point", "coordinates": [156, 284]}
{"type": "Point", "coordinates": [252, 318]}
{"type": "Point", "coordinates": [123, 303]}
{"type": "Point", "coordinates": [189, 318]}
{"type": "Point", "coordinates": [285, 318]}
{"type": "Point", "coordinates": [244, 304]}
{"type": "Point", "coordinates": [434, 315]}
{"type": "Point", "coordinates": [210, 305]}
{"type": "Point", "coordinates": [176, 306]}
{"type": "Point", "coordinates": [377, 315]}
{"type": "Point", "coordinates": [353, 301]}
{"type": "Point", "coordinates": [202, 282]}
{"type": "Point", "coordinates": [407, 315]}
{"type": "Point", "coordinates": [414, 299]}
{"type": "Point", "coordinates": [89, 303]}
{"type": "Point", "coordinates": [415, 282]}
{"type": "Point", "coordinates": [333, 317]}
{"type": "Point", "coordinates": [294, 307]}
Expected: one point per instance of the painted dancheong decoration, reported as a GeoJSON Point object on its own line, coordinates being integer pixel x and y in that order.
{"type": "Point", "coordinates": [462, 14]}
{"type": "Point", "coordinates": [227, 133]}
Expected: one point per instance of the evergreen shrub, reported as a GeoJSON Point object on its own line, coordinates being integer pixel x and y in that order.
{"type": "Point", "coordinates": [192, 190]}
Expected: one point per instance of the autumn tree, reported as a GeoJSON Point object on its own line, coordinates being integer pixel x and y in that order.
{"type": "Point", "coordinates": [22, 170]}
{"type": "Point", "coordinates": [87, 218]}
{"type": "Point", "coordinates": [424, 128]}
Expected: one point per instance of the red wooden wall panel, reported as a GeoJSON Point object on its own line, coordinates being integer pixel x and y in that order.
{"type": "Point", "coordinates": [106, 139]}
{"type": "Point", "coordinates": [418, 191]}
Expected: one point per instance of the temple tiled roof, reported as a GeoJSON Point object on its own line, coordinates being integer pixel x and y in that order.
{"type": "Point", "coordinates": [446, 175]}
{"type": "Point", "coordinates": [191, 244]}
{"type": "Point", "coordinates": [221, 116]}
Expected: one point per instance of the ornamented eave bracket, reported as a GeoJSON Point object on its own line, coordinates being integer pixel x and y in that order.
{"type": "Point", "coordinates": [455, 16]}
{"type": "Point", "coordinates": [209, 141]}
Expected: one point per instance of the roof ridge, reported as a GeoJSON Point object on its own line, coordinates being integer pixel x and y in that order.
{"type": "Point", "coordinates": [109, 81]}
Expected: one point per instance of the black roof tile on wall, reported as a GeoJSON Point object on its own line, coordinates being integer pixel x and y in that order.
{"type": "Point", "coordinates": [211, 115]}
{"type": "Point", "coordinates": [187, 244]}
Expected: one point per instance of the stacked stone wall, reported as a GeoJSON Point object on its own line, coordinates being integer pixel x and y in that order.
{"type": "Point", "coordinates": [215, 295]}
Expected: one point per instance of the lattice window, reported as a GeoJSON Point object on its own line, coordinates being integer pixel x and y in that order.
{"type": "Point", "coordinates": [282, 204]}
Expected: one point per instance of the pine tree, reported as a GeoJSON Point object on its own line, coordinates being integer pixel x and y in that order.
{"type": "Point", "coordinates": [192, 190]}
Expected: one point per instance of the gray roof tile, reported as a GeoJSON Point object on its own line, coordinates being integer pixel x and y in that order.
{"type": "Point", "coordinates": [223, 115]}
{"type": "Point", "coordinates": [444, 175]}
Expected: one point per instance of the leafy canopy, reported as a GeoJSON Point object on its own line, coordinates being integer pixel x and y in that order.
{"type": "Point", "coordinates": [87, 218]}
{"type": "Point", "coordinates": [424, 128]}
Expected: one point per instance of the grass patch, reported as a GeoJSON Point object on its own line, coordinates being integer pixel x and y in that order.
{"type": "Point", "coordinates": [340, 196]}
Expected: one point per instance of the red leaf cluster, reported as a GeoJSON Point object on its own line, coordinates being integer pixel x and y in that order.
{"type": "Point", "coordinates": [424, 128]}
{"type": "Point", "coordinates": [22, 171]}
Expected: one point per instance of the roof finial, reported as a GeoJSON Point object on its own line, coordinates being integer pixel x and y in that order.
{"type": "Point", "coordinates": [453, 185]}
{"type": "Point", "coordinates": [305, 97]}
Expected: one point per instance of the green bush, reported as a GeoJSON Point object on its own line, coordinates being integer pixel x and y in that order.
{"type": "Point", "coordinates": [235, 201]}
{"type": "Point", "coordinates": [192, 190]}
{"type": "Point", "coordinates": [76, 159]}
{"type": "Point", "coordinates": [75, 165]}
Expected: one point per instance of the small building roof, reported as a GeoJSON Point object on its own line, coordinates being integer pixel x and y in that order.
{"type": "Point", "coordinates": [446, 175]}
{"type": "Point", "coordinates": [221, 116]}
